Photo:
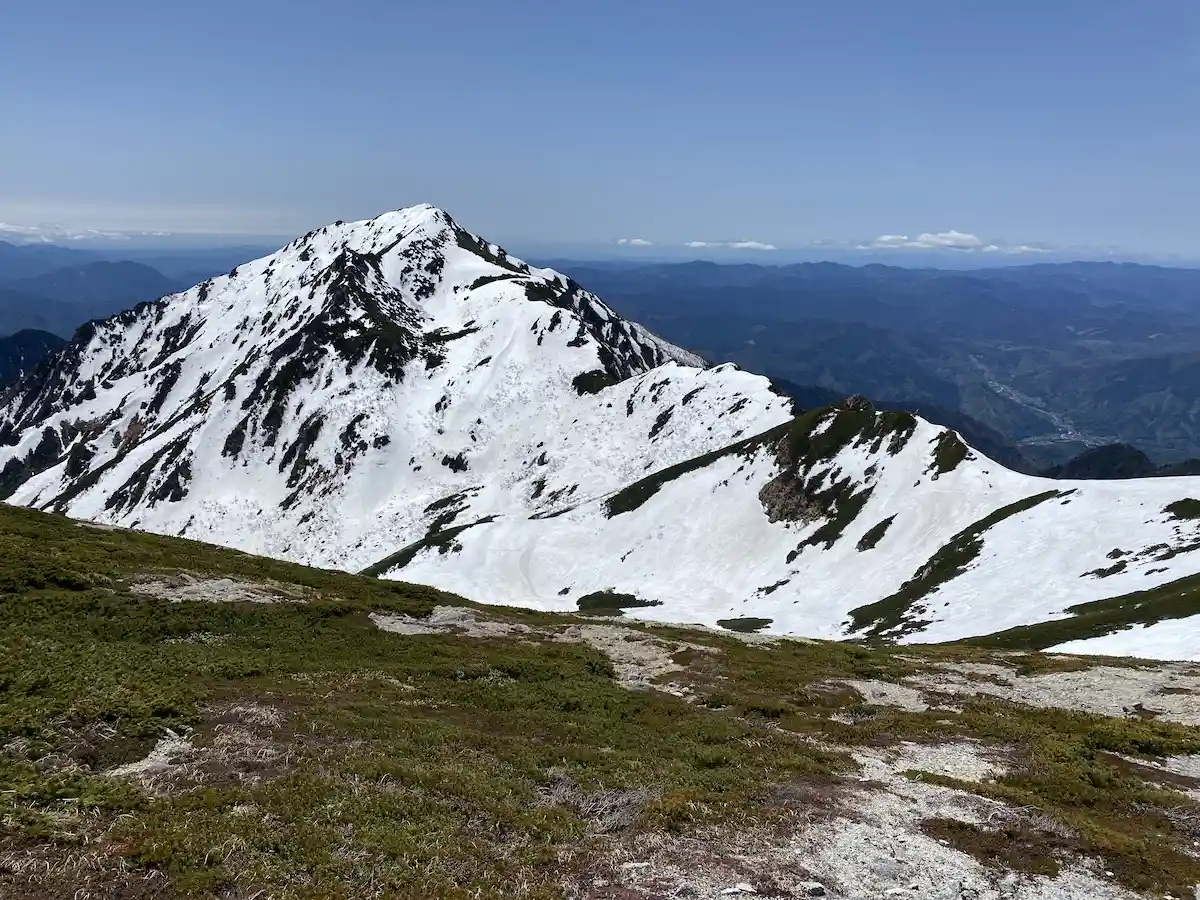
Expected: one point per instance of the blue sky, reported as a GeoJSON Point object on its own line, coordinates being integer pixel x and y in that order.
{"type": "Point", "coordinates": [1064, 123]}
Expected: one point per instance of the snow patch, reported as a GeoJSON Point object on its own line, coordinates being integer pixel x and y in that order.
{"type": "Point", "coordinates": [1171, 639]}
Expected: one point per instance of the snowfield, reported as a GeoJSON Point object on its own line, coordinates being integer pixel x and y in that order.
{"type": "Point", "coordinates": [401, 383]}
{"type": "Point", "coordinates": [1177, 639]}
{"type": "Point", "coordinates": [1032, 565]}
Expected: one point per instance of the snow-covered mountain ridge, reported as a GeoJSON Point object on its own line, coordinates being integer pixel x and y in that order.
{"type": "Point", "coordinates": [313, 403]}
{"type": "Point", "coordinates": [400, 396]}
{"type": "Point", "coordinates": [850, 523]}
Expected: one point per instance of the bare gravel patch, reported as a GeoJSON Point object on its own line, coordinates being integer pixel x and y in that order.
{"type": "Point", "coordinates": [451, 620]}
{"type": "Point", "coordinates": [191, 588]}
{"type": "Point", "coordinates": [867, 845]}
{"type": "Point", "coordinates": [169, 755]}
{"type": "Point", "coordinates": [1160, 692]}
{"type": "Point", "coordinates": [965, 760]}
{"type": "Point", "coordinates": [885, 693]}
{"type": "Point", "coordinates": [639, 659]}
{"type": "Point", "coordinates": [877, 849]}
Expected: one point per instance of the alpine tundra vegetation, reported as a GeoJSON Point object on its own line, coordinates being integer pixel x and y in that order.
{"type": "Point", "coordinates": [179, 720]}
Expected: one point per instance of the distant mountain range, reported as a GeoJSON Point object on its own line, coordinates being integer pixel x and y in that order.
{"type": "Point", "coordinates": [1059, 358]}
{"type": "Point", "coordinates": [30, 260]}
{"type": "Point", "coordinates": [62, 300]}
{"type": "Point", "coordinates": [1119, 461]}
{"type": "Point", "coordinates": [21, 352]}
{"type": "Point", "coordinates": [56, 289]}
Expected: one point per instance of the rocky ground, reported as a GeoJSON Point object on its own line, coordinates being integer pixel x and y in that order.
{"type": "Point", "coordinates": [864, 839]}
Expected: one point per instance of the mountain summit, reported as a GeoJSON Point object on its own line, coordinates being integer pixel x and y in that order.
{"type": "Point", "coordinates": [401, 397]}
{"type": "Point", "coordinates": [332, 401]}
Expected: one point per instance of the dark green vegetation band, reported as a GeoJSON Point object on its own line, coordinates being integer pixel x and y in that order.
{"type": "Point", "coordinates": [745, 624]}
{"type": "Point", "coordinates": [898, 614]}
{"type": "Point", "coordinates": [442, 540]}
{"type": "Point", "coordinates": [630, 498]}
{"type": "Point", "coordinates": [612, 602]}
{"type": "Point", "coordinates": [1175, 600]}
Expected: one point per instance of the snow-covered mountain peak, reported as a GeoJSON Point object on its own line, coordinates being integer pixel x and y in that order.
{"type": "Point", "coordinates": [320, 402]}
{"type": "Point", "coordinates": [401, 396]}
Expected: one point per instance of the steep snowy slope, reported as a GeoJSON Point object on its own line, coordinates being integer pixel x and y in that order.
{"type": "Point", "coordinates": [333, 401]}
{"type": "Point", "coordinates": [401, 397]}
{"type": "Point", "coordinates": [845, 523]}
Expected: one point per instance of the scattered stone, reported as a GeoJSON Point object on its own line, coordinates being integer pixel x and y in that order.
{"type": "Point", "coordinates": [450, 620]}
{"type": "Point", "coordinates": [102, 526]}
{"type": "Point", "coordinates": [884, 693]}
{"type": "Point", "coordinates": [191, 588]}
{"type": "Point", "coordinates": [1104, 690]}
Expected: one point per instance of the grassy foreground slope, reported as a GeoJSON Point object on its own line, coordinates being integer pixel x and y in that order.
{"type": "Point", "coordinates": [178, 720]}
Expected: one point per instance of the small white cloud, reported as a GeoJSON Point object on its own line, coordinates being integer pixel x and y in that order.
{"type": "Point", "coordinates": [886, 240]}
{"type": "Point", "coordinates": [28, 231]}
{"type": "Point", "coordinates": [751, 245]}
{"type": "Point", "coordinates": [1014, 248]}
{"type": "Point", "coordinates": [56, 233]}
{"type": "Point", "coordinates": [730, 245]}
{"type": "Point", "coordinates": [930, 240]}
{"type": "Point", "coordinates": [951, 240]}
{"type": "Point", "coordinates": [946, 240]}
{"type": "Point", "coordinates": [635, 242]}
